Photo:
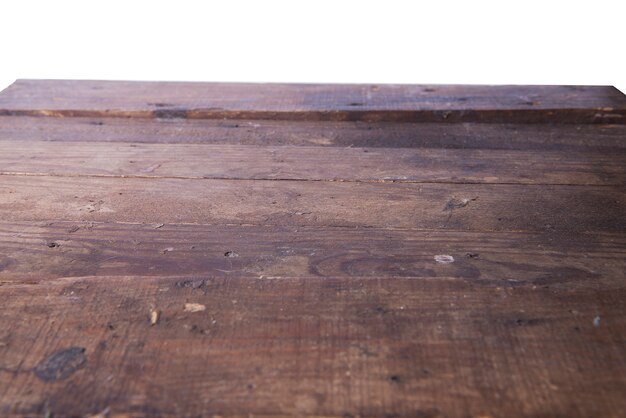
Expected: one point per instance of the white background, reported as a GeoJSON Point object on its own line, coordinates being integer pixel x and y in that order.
{"type": "Point", "coordinates": [485, 42]}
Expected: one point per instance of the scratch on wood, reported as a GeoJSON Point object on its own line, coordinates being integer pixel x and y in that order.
{"type": "Point", "coordinates": [151, 168]}
{"type": "Point", "coordinates": [458, 203]}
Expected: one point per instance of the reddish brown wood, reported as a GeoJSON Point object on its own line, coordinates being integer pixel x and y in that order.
{"type": "Point", "coordinates": [391, 103]}
{"type": "Point", "coordinates": [311, 347]}
{"type": "Point", "coordinates": [43, 250]}
{"type": "Point", "coordinates": [345, 164]}
{"type": "Point", "coordinates": [324, 251]}
{"type": "Point", "coordinates": [607, 138]}
{"type": "Point", "coordinates": [474, 207]}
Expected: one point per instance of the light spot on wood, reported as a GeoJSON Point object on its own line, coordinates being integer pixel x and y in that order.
{"type": "Point", "coordinates": [321, 141]}
{"type": "Point", "coordinates": [609, 115]}
{"type": "Point", "coordinates": [93, 206]}
{"type": "Point", "coordinates": [194, 307]}
{"type": "Point", "coordinates": [294, 265]}
{"type": "Point", "coordinates": [154, 317]}
{"type": "Point", "coordinates": [444, 259]}
{"type": "Point", "coordinates": [305, 404]}
{"type": "Point", "coordinates": [596, 321]}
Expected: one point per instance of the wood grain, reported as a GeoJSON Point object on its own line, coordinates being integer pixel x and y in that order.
{"type": "Point", "coordinates": [391, 103]}
{"type": "Point", "coordinates": [475, 207]}
{"type": "Point", "coordinates": [224, 161]}
{"type": "Point", "coordinates": [44, 250]}
{"type": "Point", "coordinates": [325, 250]}
{"type": "Point", "coordinates": [522, 137]}
{"type": "Point", "coordinates": [433, 347]}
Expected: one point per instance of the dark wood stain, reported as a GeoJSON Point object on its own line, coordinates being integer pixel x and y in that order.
{"type": "Point", "coordinates": [199, 249]}
{"type": "Point", "coordinates": [61, 364]}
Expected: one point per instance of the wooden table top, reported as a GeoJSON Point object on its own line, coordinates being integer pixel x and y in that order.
{"type": "Point", "coordinates": [198, 249]}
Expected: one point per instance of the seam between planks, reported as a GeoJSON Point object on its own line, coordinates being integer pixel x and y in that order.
{"type": "Point", "coordinates": [296, 228]}
{"type": "Point", "coordinates": [558, 115]}
{"type": "Point", "coordinates": [280, 179]}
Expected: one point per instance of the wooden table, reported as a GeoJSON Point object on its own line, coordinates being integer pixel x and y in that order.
{"type": "Point", "coordinates": [190, 249]}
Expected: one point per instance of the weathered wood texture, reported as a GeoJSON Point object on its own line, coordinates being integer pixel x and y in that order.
{"type": "Point", "coordinates": [76, 249]}
{"type": "Point", "coordinates": [305, 346]}
{"type": "Point", "coordinates": [498, 207]}
{"type": "Point", "coordinates": [244, 162]}
{"type": "Point", "coordinates": [392, 103]}
{"type": "Point", "coordinates": [607, 138]}
{"type": "Point", "coordinates": [337, 251]}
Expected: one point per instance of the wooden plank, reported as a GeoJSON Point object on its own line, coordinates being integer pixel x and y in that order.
{"type": "Point", "coordinates": [45, 250]}
{"type": "Point", "coordinates": [391, 103]}
{"type": "Point", "coordinates": [309, 255]}
{"type": "Point", "coordinates": [311, 163]}
{"type": "Point", "coordinates": [434, 347]}
{"type": "Point", "coordinates": [595, 138]}
{"type": "Point", "coordinates": [477, 207]}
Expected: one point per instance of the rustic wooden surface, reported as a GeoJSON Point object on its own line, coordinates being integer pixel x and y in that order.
{"type": "Point", "coordinates": [394, 103]}
{"type": "Point", "coordinates": [195, 249]}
